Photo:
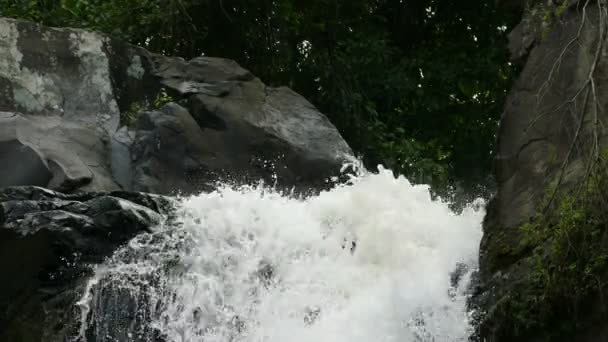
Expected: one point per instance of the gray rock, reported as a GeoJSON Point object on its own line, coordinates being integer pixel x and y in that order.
{"type": "Point", "coordinates": [546, 128]}
{"type": "Point", "coordinates": [229, 126]}
{"type": "Point", "coordinates": [64, 93]}
{"type": "Point", "coordinates": [95, 118]}
{"type": "Point", "coordinates": [58, 90]}
{"type": "Point", "coordinates": [47, 242]}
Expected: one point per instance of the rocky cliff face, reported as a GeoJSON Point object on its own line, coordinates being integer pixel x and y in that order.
{"type": "Point", "coordinates": [48, 241]}
{"type": "Point", "coordinates": [552, 137]}
{"type": "Point", "coordinates": [79, 111]}
{"type": "Point", "coordinates": [96, 118]}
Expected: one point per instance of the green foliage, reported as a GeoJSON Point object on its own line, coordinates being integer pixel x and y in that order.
{"type": "Point", "coordinates": [568, 261]}
{"type": "Point", "coordinates": [129, 117]}
{"type": "Point", "coordinates": [415, 85]}
{"type": "Point", "coordinates": [545, 15]}
{"type": "Point", "coordinates": [161, 99]}
{"type": "Point", "coordinates": [559, 10]}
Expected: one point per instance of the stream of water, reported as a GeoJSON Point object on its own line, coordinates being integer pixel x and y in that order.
{"type": "Point", "coordinates": [373, 261]}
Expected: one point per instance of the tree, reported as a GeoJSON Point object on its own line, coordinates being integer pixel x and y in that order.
{"type": "Point", "coordinates": [416, 85]}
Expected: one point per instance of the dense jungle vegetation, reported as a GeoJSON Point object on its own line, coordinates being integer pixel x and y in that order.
{"type": "Point", "coordinates": [416, 85]}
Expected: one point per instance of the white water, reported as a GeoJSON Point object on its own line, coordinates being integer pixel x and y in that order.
{"type": "Point", "coordinates": [251, 265]}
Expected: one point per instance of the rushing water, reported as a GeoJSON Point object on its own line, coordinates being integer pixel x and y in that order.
{"type": "Point", "coordinates": [376, 260]}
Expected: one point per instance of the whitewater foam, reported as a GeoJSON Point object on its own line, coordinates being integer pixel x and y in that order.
{"type": "Point", "coordinates": [369, 261]}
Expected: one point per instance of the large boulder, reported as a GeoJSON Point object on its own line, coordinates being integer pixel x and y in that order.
{"type": "Point", "coordinates": [80, 111]}
{"type": "Point", "coordinates": [552, 135]}
{"type": "Point", "coordinates": [49, 240]}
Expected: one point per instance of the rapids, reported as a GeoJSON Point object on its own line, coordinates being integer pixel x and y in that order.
{"type": "Point", "coordinates": [375, 260]}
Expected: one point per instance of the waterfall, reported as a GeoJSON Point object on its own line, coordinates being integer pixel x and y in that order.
{"type": "Point", "coordinates": [374, 260]}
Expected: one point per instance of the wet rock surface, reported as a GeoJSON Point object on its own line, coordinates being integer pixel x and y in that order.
{"type": "Point", "coordinates": [48, 243]}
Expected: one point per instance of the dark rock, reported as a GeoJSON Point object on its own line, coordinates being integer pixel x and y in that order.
{"type": "Point", "coordinates": [64, 93]}
{"type": "Point", "coordinates": [456, 275]}
{"type": "Point", "coordinates": [121, 313]}
{"type": "Point", "coordinates": [95, 118]}
{"type": "Point", "coordinates": [311, 314]}
{"type": "Point", "coordinates": [48, 240]}
{"type": "Point", "coordinates": [547, 137]}
{"type": "Point", "coordinates": [233, 128]}
{"type": "Point", "coordinates": [266, 274]}
{"type": "Point", "coordinates": [29, 169]}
